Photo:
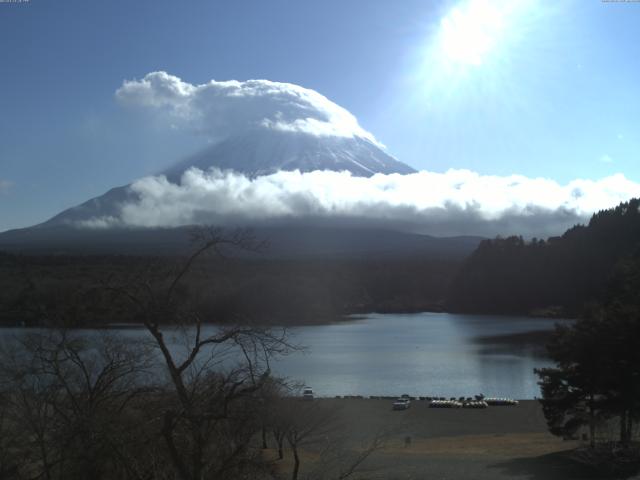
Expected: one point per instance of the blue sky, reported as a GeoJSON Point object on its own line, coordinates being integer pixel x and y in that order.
{"type": "Point", "coordinates": [557, 95]}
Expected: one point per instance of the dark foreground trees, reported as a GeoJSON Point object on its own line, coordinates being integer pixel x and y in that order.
{"type": "Point", "coordinates": [76, 406]}
{"type": "Point", "coordinates": [68, 405]}
{"type": "Point", "coordinates": [595, 389]}
{"type": "Point", "coordinates": [597, 375]}
{"type": "Point", "coordinates": [185, 400]}
{"type": "Point", "coordinates": [215, 375]}
{"type": "Point", "coordinates": [596, 381]}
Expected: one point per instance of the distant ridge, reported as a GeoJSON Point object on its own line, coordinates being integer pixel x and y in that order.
{"type": "Point", "coordinates": [282, 242]}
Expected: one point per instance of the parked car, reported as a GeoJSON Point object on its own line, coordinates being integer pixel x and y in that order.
{"type": "Point", "coordinates": [307, 394]}
{"type": "Point", "coordinates": [401, 404]}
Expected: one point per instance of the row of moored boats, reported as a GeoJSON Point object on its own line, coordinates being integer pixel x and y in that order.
{"type": "Point", "coordinates": [477, 402]}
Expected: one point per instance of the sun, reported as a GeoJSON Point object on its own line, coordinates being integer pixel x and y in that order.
{"type": "Point", "coordinates": [476, 30]}
{"type": "Point", "coordinates": [471, 31]}
{"type": "Point", "coordinates": [472, 50]}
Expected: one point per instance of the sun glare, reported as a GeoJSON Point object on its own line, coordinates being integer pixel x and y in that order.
{"type": "Point", "coordinates": [473, 48]}
{"type": "Point", "coordinates": [471, 31]}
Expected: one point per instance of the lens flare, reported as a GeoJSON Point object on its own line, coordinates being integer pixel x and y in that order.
{"type": "Point", "coordinates": [474, 46]}
{"type": "Point", "coordinates": [472, 31]}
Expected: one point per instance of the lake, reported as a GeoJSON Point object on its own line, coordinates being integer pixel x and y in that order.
{"type": "Point", "coordinates": [423, 354]}
{"type": "Point", "coordinates": [430, 354]}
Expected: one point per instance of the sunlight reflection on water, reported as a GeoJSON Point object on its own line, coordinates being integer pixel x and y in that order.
{"type": "Point", "coordinates": [424, 354]}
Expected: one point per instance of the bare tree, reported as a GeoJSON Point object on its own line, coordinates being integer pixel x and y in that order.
{"type": "Point", "coordinates": [9, 440]}
{"type": "Point", "coordinates": [317, 429]}
{"type": "Point", "coordinates": [65, 399]}
{"type": "Point", "coordinates": [309, 425]}
{"type": "Point", "coordinates": [79, 407]}
{"type": "Point", "coordinates": [340, 459]}
{"type": "Point", "coordinates": [279, 423]}
{"type": "Point", "coordinates": [209, 424]}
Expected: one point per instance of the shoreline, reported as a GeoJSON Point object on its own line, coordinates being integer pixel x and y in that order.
{"type": "Point", "coordinates": [347, 317]}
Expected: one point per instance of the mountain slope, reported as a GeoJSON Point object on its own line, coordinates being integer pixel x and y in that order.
{"type": "Point", "coordinates": [105, 205]}
{"type": "Point", "coordinates": [262, 152]}
{"type": "Point", "coordinates": [254, 153]}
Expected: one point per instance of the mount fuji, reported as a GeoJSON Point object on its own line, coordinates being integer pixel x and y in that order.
{"type": "Point", "coordinates": [262, 129]}
{"type": "Point", "coordinates": [254, 153]}
{"type": "Point", "coordinates": [263, 152]}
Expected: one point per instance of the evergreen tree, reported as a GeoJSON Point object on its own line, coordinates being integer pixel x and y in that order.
{"type": "Point", "coordinates": [597, 373]}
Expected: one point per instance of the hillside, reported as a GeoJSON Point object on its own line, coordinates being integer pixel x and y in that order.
{"type": "Point", "coordinates": [557, 276]}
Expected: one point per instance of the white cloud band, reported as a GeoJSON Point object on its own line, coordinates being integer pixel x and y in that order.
{"type": "Point", "coordinates": [457, 202]}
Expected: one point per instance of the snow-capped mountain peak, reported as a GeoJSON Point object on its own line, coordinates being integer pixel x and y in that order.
{"type": "Point", "coordinates": [263, 152]}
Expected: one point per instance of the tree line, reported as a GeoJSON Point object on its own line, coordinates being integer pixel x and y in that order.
{"type": "Point", "coordinates": [558, 276]}
{"type": "Point", "coordinates": [267, 290]}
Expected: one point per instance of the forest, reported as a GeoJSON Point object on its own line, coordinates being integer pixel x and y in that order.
{"type": "Point", "coordinates": [268, 291]}
{"type": "Point", "coordinates": [559, 276]}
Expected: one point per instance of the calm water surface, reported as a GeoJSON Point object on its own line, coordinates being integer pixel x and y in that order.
{"type": "Point", "coordinates": [430, 354]}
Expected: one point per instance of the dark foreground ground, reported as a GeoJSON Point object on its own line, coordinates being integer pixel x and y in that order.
{"type": "Point", "coordinates": [496, 443]}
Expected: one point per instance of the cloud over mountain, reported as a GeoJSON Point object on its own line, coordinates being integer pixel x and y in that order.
{"type": "Point", "coordinates": [220, 109]}
{"type": "Point", "coordinates": [257, 173]}
{"type": "Point", "coordinates": [456, 202]}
